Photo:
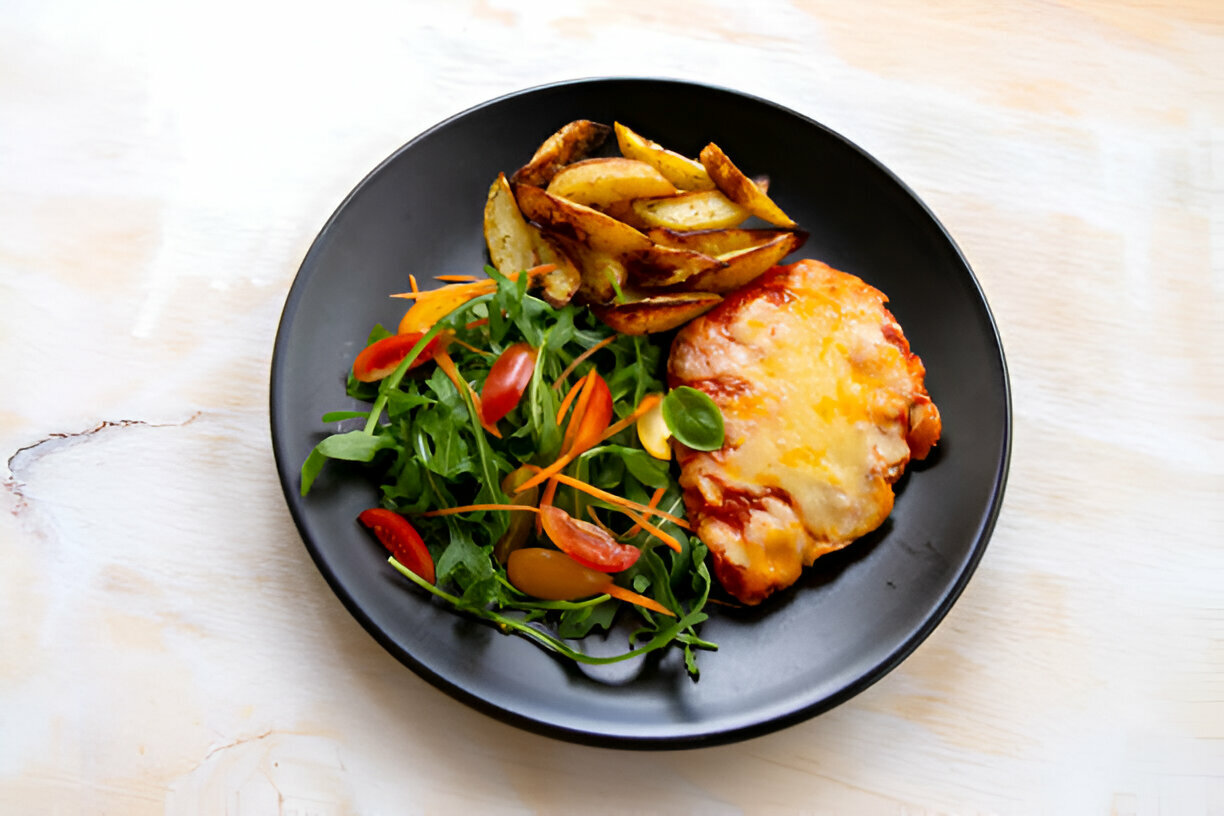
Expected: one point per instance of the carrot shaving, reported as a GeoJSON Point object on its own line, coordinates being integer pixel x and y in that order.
{"type": "Point", "coordinates": [447, 365]}
{"type": "Point", "coordinates": [569, 445]}
{"type": "Point", "coordinates": [612, 498]}
{"type": "Point", "coordinates": [580, 409]}
{"type": "Point", "coordinates": [628, 595]}
{"type": "Point", "coordinates": [581, 358]}
{"type": "Point", "coordinates": [654, 502]}
{"type": "Point", "coordinates": [649, 401]}
{"type": "Point", "coordinates": [475, 508]}
{"type": "Point", "coordinates": [470, 347]}
{"type": "Point", "coordinates": [458, 291]}
{"type": "Point", "coordinates": [653, 530]}
{"type": "Point", "coordinates": [549, 472]}
{"type": "Point", "coordinates": [569, 399]}
{"type": "Point", "coordinates": [455, 278]}
{"type": "Point", "coordinates": [598, 521]}
{"type": "Point", "coordinates": [412, 281]}
{"type": "Point", "coordinates": [484, 321]}
{"type": "Point", "coordinates": [546, 500]}
{"type": "Point", "coordinates": [475, 288]}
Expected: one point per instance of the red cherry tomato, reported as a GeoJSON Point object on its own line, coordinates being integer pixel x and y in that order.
{"type": "Point", "coordinates": [379, 359]}
{"type": "Point", "coordinates": [552, 575]}
{"type": "Point", "coordinates": [401, 540]}
{"type": "Point", "coordinates": [586, 543]}
{"type": "Point", "coordinates": [507, 380]}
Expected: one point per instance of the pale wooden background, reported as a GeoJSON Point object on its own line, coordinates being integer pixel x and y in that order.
{"type": "Point", "coordinates": [165, 646]}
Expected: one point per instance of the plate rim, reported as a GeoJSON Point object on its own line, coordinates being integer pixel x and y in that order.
{"type": "Point", "coordinates": [287, 471]}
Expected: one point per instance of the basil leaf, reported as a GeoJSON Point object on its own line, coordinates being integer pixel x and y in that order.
{"type": "Point", "coordinates": [693, 418]}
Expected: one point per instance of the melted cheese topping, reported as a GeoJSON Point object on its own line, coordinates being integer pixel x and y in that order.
{"type": "Point", "coordinates": [822, 421]}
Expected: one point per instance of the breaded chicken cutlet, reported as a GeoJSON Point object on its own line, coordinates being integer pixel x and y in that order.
{"type": "Point", "coordinates": [824, 405]}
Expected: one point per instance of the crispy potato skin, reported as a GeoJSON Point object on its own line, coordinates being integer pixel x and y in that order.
{"type": "Point", "coordinates": [741, 189]}
{"type": "Point", "coordinates": [824, 405]}
{"type": "Point", "coordinates": [658, 313]}
{"type": "Point", "coordinates": [506, 232]}
{"type": "Point", "coordinates": [571, 142]}
{"type": "Point", "coordinates": [605, 183]}
{"type": "Point", "coordinates": [741, 267]}
{"type": "Point", "coordinates": [681, 171]}
{"type": "Point", "coordinates": [695, 210]}
{"type": "Point", "coordinates": [577, 222]}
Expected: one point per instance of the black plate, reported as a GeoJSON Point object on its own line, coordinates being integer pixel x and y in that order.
{"type": "Point", "coordinates": [853, 617]}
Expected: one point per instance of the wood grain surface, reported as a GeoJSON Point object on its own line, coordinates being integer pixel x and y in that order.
{"type": "Point", "coordinates": [166, 646]}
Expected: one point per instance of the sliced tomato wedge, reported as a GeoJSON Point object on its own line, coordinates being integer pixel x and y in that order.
{"type": "Point", "coordinates": [507, 381]}
{"type": "Point", "coordinates": [401, 540]}
{"type": "Point", "coordinates": [587, 543]}
{"type": "Point", "coordinates": [380, 358]}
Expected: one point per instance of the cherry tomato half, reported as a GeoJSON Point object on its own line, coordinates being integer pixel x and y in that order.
{"type": "Point", "coordinates": [401, 540]}
{"type": "Point", "coordinates": [380, 358]}
{"type": "Point", "coordinates": [507, 380]}
{"type": "Point", "coordinates": [553, 576]}
{"type": "Point", "coordinates": [587, 543]}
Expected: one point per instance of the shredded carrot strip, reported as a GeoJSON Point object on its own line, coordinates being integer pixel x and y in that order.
{"type": "Point", "coordinates": [455, 278]}
{"type": "Point", "coordinates": [447, 365]}
{"type": "Point", "coordinates": [622, 594]}
{"type": "Point", "coordinates": [470, 347]}
{"type": "Point", "coordinates": [569, 399]}
{"type": "Point", "coordinates": [654, 502]}
{"type": "Point", "coordinates": [612, 498]}
{"type": "Point", "coordinates": [476, 288]}
{"type": "Point", "coordinates": [580, 409]}
{"type": "Point", "coordinates": [459, 291]}
{"type": "Point", "coordinates": [484, 321]}
{"type": "Point", "coordinates": [653, 530]}
{"type": "Point", "coordinates": [598, 521]}
{"type": "Point", "coordinates": [546, 473]}
{"type": "Point", "coordinates": [546, 500]}
{"type": "Point", "coordinates": [535, 272]}
{"type": "Point", "coordinates": [569, 369]}
{"type": "Point", "coordinates": [569, 447]}
{"type": "Point", "coordinates": [649, 401]}
{"type": "Point", "coordinates": [412, 281]}
{"type": "Point", "coordinates": [474, 508]}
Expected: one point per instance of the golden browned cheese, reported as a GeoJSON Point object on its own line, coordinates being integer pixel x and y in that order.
{"type": "Point", "coordinates": [824, 405]}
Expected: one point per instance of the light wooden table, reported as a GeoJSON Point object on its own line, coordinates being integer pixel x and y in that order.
{"type": "Point", "coordinates": [165, 645]}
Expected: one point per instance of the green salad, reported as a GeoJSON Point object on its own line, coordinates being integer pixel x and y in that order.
{"type": "Point", "coordinates": [524, 465]}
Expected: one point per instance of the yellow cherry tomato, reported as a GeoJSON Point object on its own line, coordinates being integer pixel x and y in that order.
{"type": "Point", "coordinates": [653, 433]}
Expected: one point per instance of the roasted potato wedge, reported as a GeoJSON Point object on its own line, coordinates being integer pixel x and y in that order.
{"type": "Point", "coordinates": [602, 183]}
{"type": "Point", "coordinates": [515, 245]}
{"type": "Point", "coordinates": [506, 232]}
{"type": "Point", "coordinates": [659, 313]}
{"type": "Point", "coordinates": [587, 226]}
{"type": "Point", "coordinates": [713, 242]}
{"type": "Point", "coordinates": [572, 142]}
{"type": "Point", "coordinates": [601, 273]}
{"type": "Point", "coordinates": [744, 265]}
{"type": "Point", "coordinates": [681, 171]}
{"type": "Point", "coordinates": [559, 286]}
{"type": "Point", "coordinates": [741, 189]}
{"type": "Point", "coordinates": [696, 210]}
{"type": "Point", "coordinates": [666, 266]}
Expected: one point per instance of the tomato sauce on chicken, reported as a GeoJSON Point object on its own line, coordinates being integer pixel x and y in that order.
{"type": "Point", "coordinates": [824, 405]}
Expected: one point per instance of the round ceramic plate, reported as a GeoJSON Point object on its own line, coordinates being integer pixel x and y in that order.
{"type": "Point", "coordinates": [852, 617]}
